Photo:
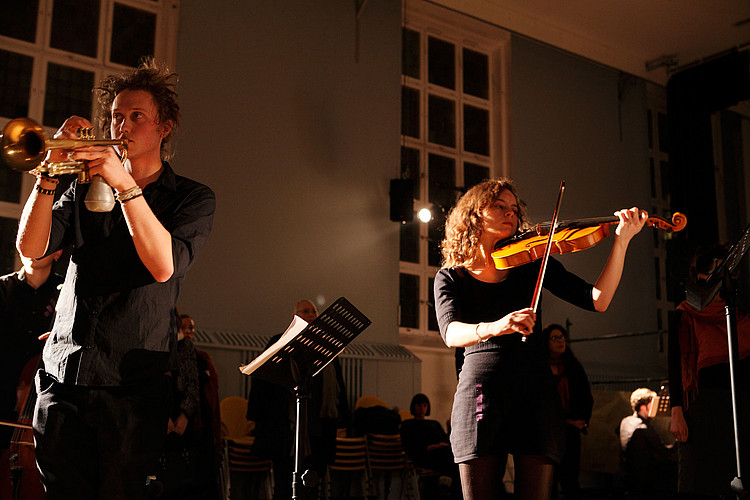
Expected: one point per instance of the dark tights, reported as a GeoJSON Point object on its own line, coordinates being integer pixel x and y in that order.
{"type": "Point", "coordinates": [482, 478]}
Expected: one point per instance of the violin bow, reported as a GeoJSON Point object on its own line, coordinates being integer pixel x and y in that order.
{"type": "Point", "coordinates": [543, 267]}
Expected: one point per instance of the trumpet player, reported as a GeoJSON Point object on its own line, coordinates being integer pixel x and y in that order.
{"type": "Point", "coordinates": [104, 393]}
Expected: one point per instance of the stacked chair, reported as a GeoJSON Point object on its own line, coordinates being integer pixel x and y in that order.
{"type": "Point", "coordinates": [250, 476]}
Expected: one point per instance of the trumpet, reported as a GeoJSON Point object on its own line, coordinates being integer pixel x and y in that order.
{"type": "Point", "coordinates": [23, 146]}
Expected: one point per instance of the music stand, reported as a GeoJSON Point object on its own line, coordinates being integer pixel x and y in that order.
{"type": "Point", "coordinates": [298, 356]}
{"type": "Point", "coordinates": [699, 296]}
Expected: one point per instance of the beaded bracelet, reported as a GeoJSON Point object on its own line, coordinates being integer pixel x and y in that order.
{"type": "Point", "coordinates": [42, 176]}
{"type": "Point", "coordinates": [48, 192]}
{"type": "Point", "coordinates": [129, 194]}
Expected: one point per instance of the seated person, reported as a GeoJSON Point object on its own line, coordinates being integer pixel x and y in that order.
{"type": "Point", "coordinates": [649, 463]}
{"type": "Point", "coordinates": [427, 444]}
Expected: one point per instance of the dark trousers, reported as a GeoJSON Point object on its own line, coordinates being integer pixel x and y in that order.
{"type": "Point", "coordinates": [567, 471]}
{"type": "Point", "coordinates": [99, 443]}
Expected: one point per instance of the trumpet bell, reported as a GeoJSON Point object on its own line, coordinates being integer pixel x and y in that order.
{"type": "Point", "coordinates": [23, 144]}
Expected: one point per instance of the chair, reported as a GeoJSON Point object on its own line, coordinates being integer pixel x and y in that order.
{"type": "Point", "coordinates": [386, 456]}
{"type": "Point", "coordinates": [349, 463]}
{"type": "Point", "coordinates": [369, 401]}
{"type": "Point", "coordinates": [248, 473]}
{"type": "Point", "coordinates": [405, 414]}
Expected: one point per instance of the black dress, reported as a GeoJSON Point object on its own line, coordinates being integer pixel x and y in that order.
{"type": "Point", "coordinates": [506, 400]}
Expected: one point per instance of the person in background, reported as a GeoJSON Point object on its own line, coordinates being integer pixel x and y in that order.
{"type": "Point", "coordinates": [575, 395]}
{"type": "Point", "coordinates": [27, 308]}
{"type": "Point", "coordinates": [700, 390]}
{"type": "Point", "coordinates": [272, 408]}
{"type": "Point", "coordinates": [427, 444]}
{"type": "Point", "coordinates": [506, 400]}
{"type": "Point", "coordinates": [649, 463]}
{"type": "Point", "coordinates": [205, 428]}
{"type": "Point", "coordinates": [103, 397]}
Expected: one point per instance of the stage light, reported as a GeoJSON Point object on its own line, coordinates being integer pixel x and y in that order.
{"type": "Point", "coordinates": [425, 215]}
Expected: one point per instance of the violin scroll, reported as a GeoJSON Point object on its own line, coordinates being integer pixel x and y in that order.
{"type": "Point", "coordinates": [678, 223]}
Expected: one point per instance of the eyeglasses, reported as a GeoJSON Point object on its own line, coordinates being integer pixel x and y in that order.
{"type": "Point", "coordinates": [556, 338]}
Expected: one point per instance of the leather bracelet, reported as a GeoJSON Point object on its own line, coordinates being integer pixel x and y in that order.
{"type": "Point", "coordinates": [44, 177]}
{"type": "Point", "coordinates": [129, 194]}
{"type": "Point", "coordinates": [48, 192]}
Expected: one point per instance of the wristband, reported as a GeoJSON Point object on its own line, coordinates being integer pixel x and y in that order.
{"type": "Point", "coordinates": [129, 194]}
{"type": "Point", "coordinates": [48, 192]}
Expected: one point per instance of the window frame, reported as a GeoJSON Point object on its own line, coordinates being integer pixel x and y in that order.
{"type": "Point", "coordinates": [464, 32]}
{"type": "Point", "coordinates": [165, 49]}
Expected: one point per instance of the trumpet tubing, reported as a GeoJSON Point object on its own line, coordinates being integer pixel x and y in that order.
{"type": "Point", "coordinates": [24, 145]}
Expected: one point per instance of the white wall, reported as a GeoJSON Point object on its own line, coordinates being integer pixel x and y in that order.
{"type": "Point", "coordinates": [299, 141]}
{"type": "Point", "coordinates": [567, 123]}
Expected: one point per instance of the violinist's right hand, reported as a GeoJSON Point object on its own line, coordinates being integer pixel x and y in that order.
{"type": "Point", "coordinates": [521, 321]}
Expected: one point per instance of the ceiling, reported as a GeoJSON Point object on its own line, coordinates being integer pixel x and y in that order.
{"type": "Point", "coordinates": [626, 35]}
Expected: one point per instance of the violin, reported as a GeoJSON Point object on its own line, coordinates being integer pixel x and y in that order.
{"type": "Point", "coordinates": [569, 236]}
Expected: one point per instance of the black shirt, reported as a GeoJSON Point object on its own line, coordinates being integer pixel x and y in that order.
{"type": "Point", "coordinates": [115, 323]}
{"type": "Point", "coordinates": [25, 314]}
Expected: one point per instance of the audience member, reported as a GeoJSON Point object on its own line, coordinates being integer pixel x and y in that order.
{"type": "Point", "coordinates": [205, 427]}
{"type": "Point", "coordinates": [577, 401]}
{"type": "Point", "coordinates": [649, 464]}
{"type": "Point", "coordinates": [27, 308]}
{"type": "Point", "coordinates": [427, 444]}
{"type": "Point", "coordinates": [272, 408]}
{"type": "Point", "coordinates": [700, 390]}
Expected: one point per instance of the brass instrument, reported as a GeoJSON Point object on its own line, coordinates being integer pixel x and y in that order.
{"type": "Point", "coordinates": [23, 146]}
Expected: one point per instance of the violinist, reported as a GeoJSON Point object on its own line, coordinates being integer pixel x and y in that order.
{"type": "Point", "coordinates": [506, 400]}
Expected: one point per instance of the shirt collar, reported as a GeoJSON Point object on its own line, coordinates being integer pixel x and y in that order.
{"type": "Point", "coordinates": [167, 178]}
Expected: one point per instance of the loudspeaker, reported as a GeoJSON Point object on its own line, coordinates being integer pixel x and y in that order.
{"type": "Point", "coordinates": [402, 200]}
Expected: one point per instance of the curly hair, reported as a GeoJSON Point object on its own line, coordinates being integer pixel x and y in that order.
{"type": "Point", "coordinates": [464, 224]}
{"type": "Point", "coordinates": [151, 76]}
{"type": "Point", "coordinates": [640, 397]}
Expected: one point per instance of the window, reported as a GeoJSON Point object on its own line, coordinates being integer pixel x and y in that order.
{"type": "Point", "coordinates": [660, 200]}
{"type": "Point", "coordinates": [452, 135]}
{"type": "Point", "coordinates": [51, 56]}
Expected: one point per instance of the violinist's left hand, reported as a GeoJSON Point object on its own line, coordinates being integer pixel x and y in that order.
{"type": "Point", "coordinates": [631, 222]}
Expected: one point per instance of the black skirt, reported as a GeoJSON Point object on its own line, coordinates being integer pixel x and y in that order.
{"type": "Point", "coordinates": [507, 402]}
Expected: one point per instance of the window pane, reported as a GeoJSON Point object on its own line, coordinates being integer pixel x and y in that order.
{"type": "Point", "coordinates": [661, 119]}
{"type": "Point", "coordinates": [664, 173]}
{"type": "Point", "coordinates": [435, 234]}
{"type": "Point", "coordinates": [24, 16]}
{"type": "Point", "coordinates": [476, 74]}
{"type": "Point", "coordinates": [410, 51]}
{"type": "Point", "coordinates": [409, 241]}
{"type": "Point", "coordinates": [10, 185]}
{"type": "Point", "coordinates": [408, 303]}
{"type": "Point", "coordinates": [68, 93]}
{"type": "Point", "coordinates": [432, 323]}
{"type": "Point", "coordinates": [441, 63]}
{"type": "Point", "coordinates": [133, 35]}
{"type": "Point", "coordinates": [410, 168]}
{"type": "Point", "coordinates": [441, 115]}
{"type": "Point", "coordinates": [15, 84]}
{"type": "Point", "coordinates": [8, 227]}
{"type": "Point", "coordinates": [652, 171]}
{"type": "Point", "coordinates": [410, 112]}
{"type": "Point", "coordinates": [474, 174]}
{"type": "Point", "coordinates": [476, 130]}
{"type": "Point", "coordinates": [75, 26]}
{"type": "Point", "coordinates": [442, 185]}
